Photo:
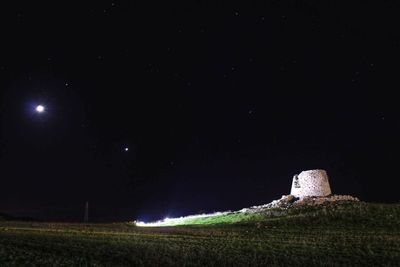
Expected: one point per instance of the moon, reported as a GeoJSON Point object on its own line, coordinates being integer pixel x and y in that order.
{"type": "Point", "coordinates": [40, 108]}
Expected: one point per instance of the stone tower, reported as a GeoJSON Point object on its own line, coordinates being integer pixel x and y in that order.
{"type": "Point", "coordinates": [312, 183]}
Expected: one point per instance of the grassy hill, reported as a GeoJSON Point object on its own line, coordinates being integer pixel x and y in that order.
{"type": "Point", "coordinates": [348, 212]}
{"type": "Point", "coordinates": [355, 234]}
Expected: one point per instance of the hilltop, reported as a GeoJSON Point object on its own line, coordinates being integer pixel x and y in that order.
{"type": "Point", "coordinates": [286, 205]}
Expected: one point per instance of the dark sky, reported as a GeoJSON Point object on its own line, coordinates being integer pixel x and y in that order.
{"type": "Point", "coordinates": [219, 104]}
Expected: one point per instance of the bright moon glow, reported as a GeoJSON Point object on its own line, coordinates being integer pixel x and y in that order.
{"type": "Point", "coordinates": [40, 108]}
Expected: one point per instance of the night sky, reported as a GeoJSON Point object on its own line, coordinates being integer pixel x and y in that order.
{"type": "Point", "coordinates": [219, 105]}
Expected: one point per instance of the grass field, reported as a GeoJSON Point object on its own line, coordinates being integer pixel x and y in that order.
{"type": "Point", "coordinates": [348, 235]}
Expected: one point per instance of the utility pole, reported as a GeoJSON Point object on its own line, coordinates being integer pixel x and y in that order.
{"type": "Point", "coordinates": [86, 217]}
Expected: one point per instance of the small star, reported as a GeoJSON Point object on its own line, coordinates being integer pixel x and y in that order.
{"type": "Point", "coordinates": [250, 111]}
{"type": "Point", "coordinates": [126, 149]}
{"type": "Point", "coordinates": [236, 13]}
{"type": "Point", "coordinates": [66, 84]}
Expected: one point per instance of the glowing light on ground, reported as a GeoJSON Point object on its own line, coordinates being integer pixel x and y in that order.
{"type": "Point", "coordinates": [179, 221]}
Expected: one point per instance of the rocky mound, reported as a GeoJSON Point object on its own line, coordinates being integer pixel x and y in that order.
{"type": "Point", "coordinates": [290, 201]}
{"type": "Point", "coordinates": [333, 199]}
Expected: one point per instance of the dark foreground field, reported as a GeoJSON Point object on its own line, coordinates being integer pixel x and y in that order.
{"type": "Point", "coordinates": [352, 235]}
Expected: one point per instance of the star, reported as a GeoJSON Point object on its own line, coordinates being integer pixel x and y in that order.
{"type": "Point", "coordinates": [126, 149]}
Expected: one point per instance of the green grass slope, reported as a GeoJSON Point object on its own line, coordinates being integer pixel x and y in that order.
{"type": "Point", "coordinates": [346, 212]}
{"type": "Point", "coordinates": [346, 235]}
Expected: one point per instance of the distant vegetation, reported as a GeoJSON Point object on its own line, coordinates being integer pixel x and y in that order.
{"type": "Point", "coordinates": [357, 234]}
{"type": "Point", "coordinates": [6, 217]}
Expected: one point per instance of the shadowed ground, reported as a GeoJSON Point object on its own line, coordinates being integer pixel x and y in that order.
{"type": "Point", "coordinates": [358, 235]}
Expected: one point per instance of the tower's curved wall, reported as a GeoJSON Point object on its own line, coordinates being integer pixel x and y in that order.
{"type": "Point", "coordinates": [311, 183]}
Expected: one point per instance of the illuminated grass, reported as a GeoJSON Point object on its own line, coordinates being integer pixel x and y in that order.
{"type": "Point", "coordinates": [204, 219]}
{"type": "Point", "coordinates": [346, 210]}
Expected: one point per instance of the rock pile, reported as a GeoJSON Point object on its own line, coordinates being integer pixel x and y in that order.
{"type": "Point", "coordinates": [315, 201]}
{"type": "Point", "coordinates": [290, 201]}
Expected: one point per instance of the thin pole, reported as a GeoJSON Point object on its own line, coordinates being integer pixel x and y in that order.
{"type": "Point", "coordinates": [86, 217]}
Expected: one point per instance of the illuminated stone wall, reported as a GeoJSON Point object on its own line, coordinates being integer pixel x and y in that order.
{"type": "Point", "coordinates": [311, 183]}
